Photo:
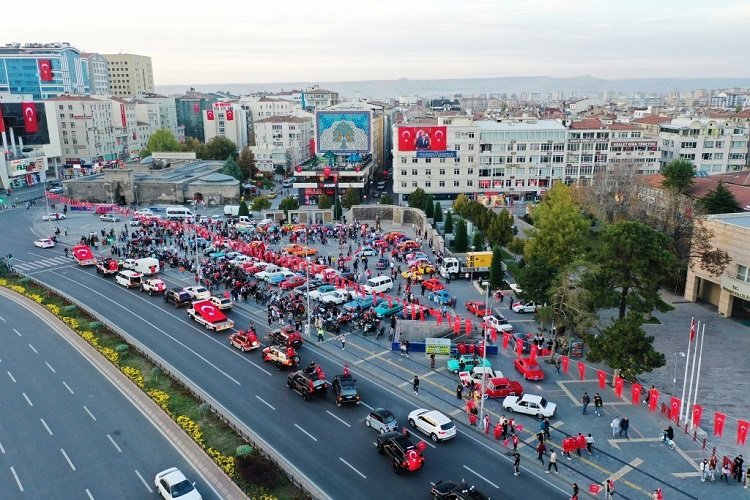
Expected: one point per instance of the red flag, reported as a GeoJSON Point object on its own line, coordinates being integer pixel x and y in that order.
{"type": "Point", "coordinates": [653, 399]}
{"type": "Point", "coordinates": [602, 378]}
{"type": "Point", "coordinates": [210, 114]}
{"type": "Point", "coordinates": [532, 354]}
{"type": "Point", "coordinates": [230, 115]}
{"type": "Point", "coordinates": [519, 347]}
{"type": "Point", "coordinates": [636, 393]}
{"type": "Point", "coordinates": [719, 419]}
{"type": "Point", "coordinates": [45, 70]}
{"type": "Point", "coordinates": [618, 386]}
{"type": "Point", "coordinates": [493, 334]}
{"type": "Point", "coordinates": [29, 117]}
{"type": "Point", "coordinates": [506, 339]}
{"type": "Point", "coordinates": [122, 115]}
{"type": "Point", "coordinates": [439, 318]}
{"type": "Point", "coordinates": [594, 489]}
{"type": "Point", "coordinates": [457, 325]}
{"type": "Point", "coordinates": [468, 327]}
{"type": "Point", "coordinates": [692, 329]}
{"type": "Point", "coordinates": [742, 431]}
{"type": "Point", "coordinates": [196, 108]}
{"type": "Point", "coordinates": [2, 123]}
{"type": "Point", "coordinates": [565, 361]}
{"type": "Point", "coordinates": [421, 314]}
{"type": "Point", "coordinates": [674, 409]}
{"type": "Point", "coordinates": [697, 414]}
{"type": "Point", "coordinates": [581, 369]}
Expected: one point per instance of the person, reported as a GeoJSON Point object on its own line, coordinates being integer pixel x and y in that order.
{"type": "Point", "coordinates": [460, 391]}
{"type": "Point", "coordinates": [415, 385]}
{"type": "Point", "coordinates": [320, 334]}
{"type": "Point", "coordinates": [552, 461]}
{"type": "Point", "coordinates": [516, 463]}
{"type": "Point", "coordinates": [658, 494]}
{"type": "Point", "coordinates": [704, 470]}
{"type": "Point", "coordinates": [668, 434]}
{"type": "Point", "coordinates": [598, 404]}
{"type": "Point", "coordinates": [66, 253]}
{"type": "Point", "coordinates": [487, 424]}
{"type": "Point", "coordinates": [624, 424]}
{"type": "Point", "coordinates": [343, 341]}
{"type": "Point", "coordinates": [432, 360]}
{"type": "Point", "coordinates": [545, 428]}
{"type": "Point", "coordinates": [738, 462]}
{"type": "Point", "coordinates": [609, 489]}
{"type": "Point", "coordinates": [585, 400]}
{"type": "Point", "coordinates": [515, 441]}
{"type": "Point", "coordinates": [540, 449]}
{"type": "Point", "coordinates": [558, 362]}
{"type": "Point", "coordinates": [575, 492]}
{"type": "Point", "coordinates": [589, 443]}
{"type": "Point", "coordinates": [615, 426]}
{"type": "Point", "coordinates": [712, 468]}
{"type": "Point", "coordinates": [725, 473]}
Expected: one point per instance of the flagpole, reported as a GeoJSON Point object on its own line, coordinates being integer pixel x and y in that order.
{"type": "Point", "coordinates": [687, 363]}
{"type": "Point", "coordinates": [692, 377]}
{"type": "Point", "coordinates": [698, 376]}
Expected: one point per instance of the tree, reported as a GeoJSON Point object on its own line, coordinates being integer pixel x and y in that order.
{"type": "Point", "coordinates": [477, 241]}
{"type": "Point", "coordinates": [625, 347]}
{"type": "Point", "coordinates": [351, 198]}
{"type": "Point", "coordinates": [461, 241]}
{"type": "Point", "coordinates": [337, 210]}
{"type": "Point", "coordinates": [194, 145]}
{"type": "Point", "coordinates": [629, 263]}
{"type": "Point", "coordinates": [678, 175]}
{"type": "Point", "coordinates": [460, 202]}
{"type": "Point", "coordinates": [416, 198]}
{"type": "Point", "coordinates": [437, 212]}
{"type": "Point", "coordinates": [386, 199]}
{"type": "Point", "coordinates": [702, 254]}
{"type": "Point", "coordinates": [218, 148]}
{"type": "Point", "coordinates": [243, 210]}
{"type": "Point", "coordinates": [500, 230]}
{"type": "Point", "coordinates": [535, 279]}
{"type": "Point", "coordinates": [719, 201]}
{"type": "Point", "coordinates": [163, 140]}
{"type": "Point", "coordinates": [144, 153]}
{"type": "Point", "coordinates": [496, 268]}
{"type": "Point", "coordinates": [324, 202]}
{"type": "Point", "coordinates": [288, 204]}
{"type": "Point", "coordinates": [231, 168]}
{"type": "Point", "coordinates": [429, 206]}
{"type": "Point", "coordinates": [261, 203]}
{"type": "Point", "coordinates": [246, 161]}
{"type": "Point", "coordinates": [448, 229]}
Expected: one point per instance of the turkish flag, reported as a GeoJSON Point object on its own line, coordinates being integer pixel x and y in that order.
{"type": "Point", "coordinates": [210, 114]}
{"type": "Point", "coordinates": [468, 327]}
{"type": "Point", "coordinates": [674, 409]}
{"type": "Point", "coordinates": [697, 414]}
{"type": "Point", "coordinates": [506, 339]}
{"type": "Point", "coordinates": [2, 123]}
{"type": "Point", "coordinates": [439, 318]}
{"type": "Point", "coordinates": [636, 393]}
{"type": "Point", "coordinates": [594, 488]}
{"type": "Point", "coordinates": [122, 115]}
{"type": "Point", "coordinates": [618, 386]}
{"type": "Point", "coordinates": [742, 431]}
{"type": "Point", "coordinates": [692, 329]}
{"type": "Point", "coordinates": [565, 361]}
{"type": "Point", "coordinates": [519, 347]}
{"type": "Point", "coordinates": [532, 354]}
{"type": "Point", "coordinates": [230, 115]}
{"type": "Point", "coordinates": [457, 325]}
{"type": "Point", "coordinates": [196, 108]}
{"type": "Point", "coordinates": [653, 399]}
{"type": "Point", "coordinates": [413, 312]}
{"type": "Point", "coordinates": [421, 314]}
{"type": "Point", "coordinates": [719, 419]}
{"type": "Point", "coordinates": [45, 70]}
{"type": "Point", "coordinates": [602, 375]}
{"type": "Point", "coordinates": [29, 117]}
{"type": "Point", "coordinates": [581, 369]}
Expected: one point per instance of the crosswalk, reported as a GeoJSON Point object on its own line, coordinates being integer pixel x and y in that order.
{"type": "Point", "coordinates": [41, 264]}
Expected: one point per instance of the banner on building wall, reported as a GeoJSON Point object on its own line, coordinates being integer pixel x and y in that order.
{"type": "Point", "coordinates": [196, 108]}
{"type": "Point", "coordinates": [210, 114]}
{"type": "Point", "coordinates": [29, 117]}
{"type": "Point", "coordinates": [45, 70]}
{"type": "Point", "coordinates": [122, 116]}
{"type": "Point", "coordinates": [2, 123]}
{"type": "Point", "coordinates": [437, 154]}
{"type": "Point", "coordinates": [422, 138]}
{"type": "Point", "coordinates": [230, 115]}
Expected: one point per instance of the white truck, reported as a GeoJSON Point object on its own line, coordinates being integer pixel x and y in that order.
{"type": "Point", "coordinates": [208, 315]}
{"type": "Point", "coordinates": [147, 266]}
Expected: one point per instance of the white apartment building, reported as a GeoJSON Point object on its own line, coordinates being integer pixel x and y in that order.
{"type": "Point", "coordinates": [715, 146]}
{"type": "Point", "coordinates": [167, 114]}
{"type": "Point", "coordinates": [226, 119]}
{"type": "Point", "coordinates": [282, 141]}
{"type": "Point", "coordinates": [96, 66]}
{"type": "Point", "coordinates": [130, 75]}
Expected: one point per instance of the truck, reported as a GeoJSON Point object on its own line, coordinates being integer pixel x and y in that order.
{"type": "Point", "coordinates": [83, 255]}
{"type": "Point", "coordinates": [308, 382]}
{"type": "Point", "coordinates": [146, 266]}
{"type": "Point", "coordinates": [477, 265]}
{"type": "Point", "coordinates": [208, 315]}
{"type": "Point", "coordinates": [107, 267]}
{"type": "Point", "coordinates": [404, 454]}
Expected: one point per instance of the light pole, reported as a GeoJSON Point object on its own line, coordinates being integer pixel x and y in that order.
{"type": "Point", "coordinates": [135, 192]}
{"type": "Point", "coordinates": [674, 376]}
{"type": "Point", "coordinates": [486, 284]}
{"type": "Point", "coordinates": [307, 282]}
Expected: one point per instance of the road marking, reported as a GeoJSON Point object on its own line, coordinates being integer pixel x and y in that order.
{"type": "Point", "coordinates": [50, 367]}
{"type": "Point", "coordinates": [618, 474]}
{"type": "Point", "coordinates": [2, 449]}
{"type": "Point", "coordinates": [18, 481]}
{"type": "Point", "coordinates": [148, 486]}
{"type": "Point", "coordinates": [481, 477]}
{"type": "Point", "coordinates": [367, 406]}
{"type": "Point", "coordinates": [353, 468]}
{"type": "Point", "coordinates": [2, 319]}
{"type": "Point", "coordinates": [616, 442]}
{"type": "Point", "coordinates": [265, 402]}
{"type": "Point", "coordinates": [17, 332]}
{"type": "Point", "coordinates": [337, 418]}
{"type": "Point", "coordinates": [68, 459]}
{"type": "Point", "coordinates": [37, 255]}
{"type": "Point", "coordinates": [89, 494]}
{"type": "Point", "coordinates": [46, 427]}
{"type": "Point", "coordinates": [308, 434]}
{"type": "Point", "coordinates": [68, 388]}
{"type": "Point", "coordinates": [456, 412]}
{"type": "Point", "coordinates": [693, 463]}
{"type": "Point", "coordinates": [90, 414]}
{"type": "Point", "coordinates": [113, 443]}
{"type": "Point", "coordinates": [372, 356]}
{"type": "Point", "coordinates": [33, 349]}
{"type": "Point", "coordinates": [27, 399]}
{"type": "Point", "coordinates": [685, 475]}
{"type": "Point", "coordinates": [11, 377]}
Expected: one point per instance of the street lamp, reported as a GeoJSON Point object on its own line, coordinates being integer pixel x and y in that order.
{"type": "Point", "coordinates": [307, 276]}
{"type": "Point", "coordinates": [135, 192]}
{"type": "Point", "coordinates": [485, 284]}
{"type": "Point", "coordinates": [674, 376]}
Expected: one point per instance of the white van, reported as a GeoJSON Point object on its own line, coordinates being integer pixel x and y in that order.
{"type": "Point", "coordinates": [379, 284]}
{"type": "Point", "coordinates": [129, 279]}
{"type": "Point", "coordinates": [179, 213]}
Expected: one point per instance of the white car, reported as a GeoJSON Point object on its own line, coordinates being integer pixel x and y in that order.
{"type": "Point", "coordinates": [144, 212]}
{"type": "Point", "coordinates": [216, 218]}
{"type": "Point", "coordinates": [432, 423]}
{"type": "Point", "coordinates": [56, 190]}
{"type": "Point", "coordinates": [109, 218]}
{"type": "Point", "coordinates": [521, 307]}
{"type": "Point", "coordinates": [319, 294]}
{"type": "Point", "coordinates": [500, 324]}
{"type": "Point", "coordinates": [338, 297]}
{"type": "Point", "coordinates": [367, 251]}
{"type": "Point", "coordinates": [54, 216]}
{"type": "Point", "coordinates": [135, 223]}
{"type": "Point", "coordinates": [44, 243]}
{"type": "Point", "coordinates": [197, 292]}
{"type": "Point", "coordinates": [269, 269]}
{"type": "Point", "coordinates": [172, 483]}
{"type": "Point", "coordinates": [129, 264]}
{"type": "Point", "coordinates": [240, 259]}
{"type": "Point", "coordinates": [529, 404]}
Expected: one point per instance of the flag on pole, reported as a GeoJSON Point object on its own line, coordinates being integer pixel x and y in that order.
{"type": "Point", "coordinates": [618, 386]}
{"type": "Point", "coordinates": [692, 329]}
{"type": "Point", "coordinates": [719, 419]}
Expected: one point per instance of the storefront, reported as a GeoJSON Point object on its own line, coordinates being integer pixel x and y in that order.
{"type": "Point", "coordinates": [26, 172]}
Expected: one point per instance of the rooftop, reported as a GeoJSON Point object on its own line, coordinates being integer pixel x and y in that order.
{"type": "Point", "coordinates": [652, 120]}
{"type": "Point", "coordinates": [284, 119]}
{"type": "Point", "coordinates": [740, 220]}
{"type": "Point", "coordinates": [488, 125]}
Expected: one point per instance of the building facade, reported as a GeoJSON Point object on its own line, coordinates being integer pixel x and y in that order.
{"type": "Point", "coordinates": [42, 70]}
{"type": "Point", "coordinates": [281, 142]}
{"type": "Point", "coordinates": [226, 119]}
{"type": "Point", "coordinates": [167, 114]}
{"type": "Point", "coordinates": [714, 146]}
{"type": "Point", "coordinates": [95, 67]}
{"type": "Point", "coordinates": [191, 108]}
{"type": "Point", "coordinates": [130, 75]}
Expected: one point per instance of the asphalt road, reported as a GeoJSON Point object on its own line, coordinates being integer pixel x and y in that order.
{"type": "Point", "coordinates": [66, 432]}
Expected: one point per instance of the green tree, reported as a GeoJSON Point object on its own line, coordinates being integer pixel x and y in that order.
{"type": "Point", "coordinates": [429, 206]}
{"type": "Point", "coordinates": [678, 175]}
{"type": "Point", "coordinates": [496, 268]}
{"type": "Point", "coordinates": [535, 279]}
{"type": "Point", "coordinates": [351, 198]}
{"type": "Point", "coordinates": [337, 210]}
{"type": "Point", "coordinates": [163, 140]}
{"type": "Point", "coordinates": [437, 212]}
{"type": "Point", "coordinates": [261, 203]}
{"type": "Point", "coordinates": [500, 231]}
{"type": "Point", "coordinates": [416, 198]}
{"type": "Point", "coordinates": [231, 168]}
{"type": "Point", "coordinates": [192, 144]}
{"type": "Point", "coordinates": [625, 347]}
{"type": "Point", "coordinates": [460, 202]}
{"type": "Point", "coordinates": [461, 240]}
{"type": "Point", "coordinates": [246, 161]}
{"type": "Point", "coordinates": [243, 210]}
{"type": "Point", "coordinates": [288, 204]}
{"type": "Point", "coordinates": [324, 202]}
{"type": "Point", "coordinates": [477, 241]}
{"type": "Point", "coordinates": [719, 201]}
{"type": "Point", "coordinates": [218, 148]}
{"type": "Point", "coordinates": [144, 153]}
{"type": "Point", "coordinates": [629, 263]}
{"type": "Point", "coordinates": [386, 199]}
{"type": "Point", "coordinates": [516, 245]}
{"type": "Point", "coordinates": [448, 229]}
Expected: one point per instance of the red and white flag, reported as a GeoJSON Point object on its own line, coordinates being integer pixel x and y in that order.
{"type": "Point", "coordinates": [565, 362]}
{"type": "Point", "coordinates": [29, 117]}
{"type": "Point", "coordinates": [719, 419]}
{"type": "Point", "coordinates": [230, 115]}
{"type": "Point", "coordinates": [618, 386]}
{"type": "Point", "coordinates": [697, 414]}
{"type": "Point", "coordinates": [674, 409]}
{"type": "Point", "coordinates": [692, 329]}
{"type": "Point", "coordinates": [636, 393]}
{"type": "Point", "coordinates": [742, 431]}
{"type": "Point", "coordinates": [45, 70]}
{"type": "Point", "coordinates": [602, 375]}
{"type": "Point", "coordinates": [210, 114]}
{"type": "Point", "coordinates": [581, 369]}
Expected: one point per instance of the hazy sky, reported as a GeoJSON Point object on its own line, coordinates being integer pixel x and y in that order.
{"type": "Point", "coordinates": [251, 41]}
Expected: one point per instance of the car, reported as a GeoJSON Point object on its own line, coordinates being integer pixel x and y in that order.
{"type": "Point", "coordinates": [44, 243]}
{"type": "Point", "coordinates": [382, 263]}
{"type": "Point", "coordinates": [313, 284]}
{"type": "Point", "coordinates": [403, 453]}
{"type": "Point", "coordinates": [321, 291]}
{"type": "Point", "coordinates": [393, 236]}
{"type": "Point", "coordinates": [277, 278]}
{"type": "Point", "coordinates": [221, 303]}
{"type": "Point", "coordinates": [345, 389]}
{"type": "Point", "coordinates": [524, 307]}
{"type": "Point", "coordinates": [530, 404]}
{"type": "Point", "coordinates": [197, 292]}
{"type": "Point", "coordinates": [144, 212]}
{"type": "Point", "coordinates": [292, 249]}
{"type": "Point", "coordinates": [285, 336]}
{"type": "Point", "coordinates": [56, 190]}
{"type": "Point", "coordinates": [385, 310]}
{"type": "Point", "coordinates": [361, 304]}
{"type": "Point", "coordinates": [414, 256]}
{"type": "Point", "coordinates": [408, 308]}
{"type": "Point", "coordinates": [469, 362]}
{"type": "Point", "coordinates": [178, 297]}
{"type": "Point", "coordinates": [433, 284]}
{"type": "Point", "coordinates": [240, 259]}
{"type": "Point", "coordinates": [499, 387]}
{"type": "Point", "coordinates": [366, 251]}
{"type": "Point", "coordinates": [153, 285]}
{"type": "Point", "coordinates": [292, 282]}
{"type": "Point", "coordinates": [287, 183]}
{"type": "Point", "coordinates": [525, 338]}
{"type": "Point", "coordinates": [305, 252]}
{"type": "Point", "coordinates": [382, 420]}
{"type": "Point", "coordinates": [109, 218]}
{"type": "Point", "coordinates": [172, 483]}
{"type": "Point", "coordinates": [440, 297]}
{"type": "Point", "coordinates": [282, 357]}
{"type": "Point", "coordinates": [271, 195]}
{"type": "Point", "coordinates": [53, 216]}
{"type": "Point", "coordinates": [415, 276]}
{"type": "Point", "coordinates": [432, 423]}
{"type": "Point", "coordinates": [448, 490]}
{"type": "Point", "coordinates": [337, 297]}
{"type": "Point", "coordinates": [497, 323]}
{"type": "Point", "coordinates": [530, 370]}
{"type": "Point", "coordinates": [407, 245]}
{"type": "Point", "coordinates": [134, 223]}
{"type": "Point", "coordinates": [379, 244]}
{"type": "Point", "coordinates": [245, 341]}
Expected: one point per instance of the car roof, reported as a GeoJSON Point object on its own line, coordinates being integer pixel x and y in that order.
{"type": "Point", "coordinates": [435, 415]}
{"type": "Point", "coordinates": [175, 476]}
{"type": "Point", "coordinates": [383, 412]}
{"type": "Point", "coordinates": [531, 397]}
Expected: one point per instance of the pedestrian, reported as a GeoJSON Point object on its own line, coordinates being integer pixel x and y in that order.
{"type": "Point", "coordinates": [575, 492]}
{"type": "Point", "coordinates": [432, 360]}
{"type": "Point", "coordinates": [516, 463]}
{"type": "Point", "coordinates": [343, 341]}
{"type": "Point", "coordinates": [658, 494]}
{"type": "Point", "coordinates": [585, 400]}
{"type": "Point", "coordinates": [540, 449]}
{"type": "Point", "coordinates": [498, 430]}
{"type": "Point", "coordinates": [552, 461]}
{"type": "Point", "coordinates": [460, 391]}
{"type": "Point", "coordinates": [737, 470]}
{"type": "Point", "coordinates": [473, 416]}
{"type": "Point", "coordinates": [270, 319]}
{"type": "Point", "coordinates": [487, 424]}
{"type": "Point", "coordinates": [615, 426]}
{"type": "Point", "coordinates": [579, 438]}
{"type": "Point", "coordinates": [598, 404]}
{"type": "Point", "coordinates": [320, 334]}
{"type": "Point", "coordinates": [514, 440]}
{"type": "Point", "coordinates": [402, 347]}
{"type": "Point", "coordinates": [624, 424]}
{"type": "Point", "coordinates": [725, 473]}
{"type": "Point", "coordinates": [558, 362]}
{"type": "Point", "coordinates": [609, 489]}
{"type": "Point", "coordinates": [704, 470]}
{"type": "Point", "coordinates": [712, 468]}
{"type": "Point", "coordinates": [546, 427]}
{"type": "Point", "coordinates": [406, 351]}
{"type": "Point", "coordinates": [415, 385]}
{"type": "Point", "coordinates": [747, 478]}
{"type": "Point", "coordinates": [589, 443]}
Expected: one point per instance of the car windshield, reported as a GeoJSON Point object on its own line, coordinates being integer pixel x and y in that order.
{"type": "Point", "coordinates": [182, 488]}
{"type": "Point", "coordinates": [447, 426]}
{"type": "Point", "coordinates": [542, 402]}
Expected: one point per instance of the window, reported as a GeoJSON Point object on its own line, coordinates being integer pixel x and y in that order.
{"type": "Point", "coordinates": [441, 184]}
{"type": "Point", "coordinates": [470, 171]}
{"type": "Point", "coordinates": [442, 171]}
{"type": "Point", "coordinates": [456, 171]}
{"type": "Point", "coordinates": [458, 147]}
{"type": "Point", "coordinates": [743, 273]}
{"type": "Point", "coordinates": [456, 183]}
{"type": "Point", "coordinates": [689, 145]}
{"type": "Point", "coordinates": [707, 156]}
{"type": "Point", "coordinates": [442, 160]}
{"type": "Point", "coordinates": [470, 159]}
{"type": "Point", "coordinates": [403, 184]}
{"type": "Point", "coordinates": [414, 172]}
{"type": "Point", "coordinates": [403, 159]}
{"type": "Point", "coordinates": [521, 147]}
{"type": "Point", "coordinates": [547, 147]}
{"type": "Point", "coordinates": [414, 160]}
{"type": "Point", "coordinates": [413, 184]}
{"type": "Point", "coordinates": [403, 172]}
{"type": "Point", "coordinates": [471, 147]}
{"type": "Point", "coordinates": [428, 160]}
{"type": "Point", "coordinates": [469, 183]}
{"type": "Point", "coordinates": [427, 184]}
{"type": "Point", "coordinates": [428, 172]}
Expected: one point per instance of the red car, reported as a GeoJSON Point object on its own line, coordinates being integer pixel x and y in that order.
{"type": "Point", "coordinates": [433, 284]}
{"type": "Point", "coordinates": [380, 244]}
{"type": "Point", "coordinates": [476, 307]}
{"type": "Point", "coordinates": [530, 370]}
{"type": "Point", "coordinates": [500, 387]}
{"type": "Point", "coordinates": [292, 282]}
{"type": "Point", "coordinates": [393, 236]}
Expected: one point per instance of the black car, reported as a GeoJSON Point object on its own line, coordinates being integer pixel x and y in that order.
{"type": "Point", "coordinates": [178, 297]}
{"type": "Point", "coordinates": [313, 284]}
{"type": "Point", "coordinates": [521, 337]}
{"type": "Point", "coordinates": [345, 389]}
{"type": "Point", "coordinates": [449, 490]}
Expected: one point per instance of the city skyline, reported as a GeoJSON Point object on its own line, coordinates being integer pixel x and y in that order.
{"type": "Point", "coordinates": [328, 41]}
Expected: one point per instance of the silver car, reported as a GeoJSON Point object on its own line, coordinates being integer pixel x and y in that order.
{"type": "Point", "coordinates": [381, 420]}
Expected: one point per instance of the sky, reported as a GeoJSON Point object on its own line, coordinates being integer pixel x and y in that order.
{"type": "Point", "coordinates": [234, 41]}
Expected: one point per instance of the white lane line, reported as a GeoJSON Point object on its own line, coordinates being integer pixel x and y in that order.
{"type": "Point", "coordinates": [12, 377]}
{"type": "Point", "coordinates": [337, 418]}
{"type": "Point", "coordinates": [90, 414]}
{"type": "Point", "coordinates": [308, 434]}
{"type": "Point", "coordinates": [89, 494]}
{"type": "Point", "coordinates": [17, 332]}
{"type": "Point", "coordinates": [68, 388]}
{"type": "Point", "coordinates": [114, 444]}
{"type": "Point", "coordinates": [68, 459]}
{"type": "Point", "coordinates": [265, 402]}
{"type": "Point", "coordinates": [2, 319]}
{"type": "Point", "coordinates": [50, 367]}
{"type": "Point", "coordinates": [148, 487]}
{"type": "Point", "coordinates": [353, 468]}
{"type": "Point", "coordinates": [33, 349]}
{"type": "Point", "coordinates": [46, 427]}
{"type": "Point", "coordinates": [367, 406]}
{"type": "Point", "coordinates": [37, 255]}
{"type": "Point", "coordinates": [481, 477]}
{"type": "Point", "coordinates": [2, 449]}
{"type": "Point", "coordinates": [27, 399]}
{"type": "Point", "coordinates": [18, 481]}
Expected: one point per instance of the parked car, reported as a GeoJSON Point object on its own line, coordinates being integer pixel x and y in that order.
{"type": "Point", "coordinates": [530, 370]}
{"type": "Point", "coordinates": [469, 362]}
{"type": "Point", "coordinates": [433, 284]}
{"type": "Point", "coordinates": [530, 404]}
{"type": "Point", "coordinates": [500, 387]}
{"type": "Point", "coordinates": [477, 307]}
{"type": "Point", "coordinates": [292, 282]}
{"type": "Point", "coordinates": [366, 251]}
{"type": "Point", "coordinates": [440, 297]}
{"type": "Point", "coordinates": [432, 423]}
{"type": "Point", "coordinates": [109, 218]}
{"type": "Point", "coordinates": [382, 263]}
{"type": "Point", "coordinates": [497, 322]}
{"type": "Point", "coordinates": [197, 292]}
{"type": "Point", "coordinates": [337, 297]}
{"type": "Point", "coordinates": [384, 310]}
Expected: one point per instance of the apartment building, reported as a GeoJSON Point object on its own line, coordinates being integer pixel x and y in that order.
{"type": "Point", "coordinates": [226, 119]}
{"type": "Point", "coordinates": [713, 145]}
{"type": "Point", "coordinates": [167, 114]}
{"type": "Point", "coordinates": [130, 75]}
{"type": "Point", "coordinates": [191, 110]}
{"type": "Point", "coordinates": [95, 68]}
{"type": "Point", "coordinates": [282, 142]}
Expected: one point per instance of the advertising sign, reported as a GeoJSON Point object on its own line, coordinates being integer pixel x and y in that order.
{"type": "Point", "coordinates": [438, 347]}
{"type": "Point", "coordinates": [422, 138]}
{"type": "Point", "coordinates": [343, 132]}
{"type": "Point", "coordinates": [437, 154]}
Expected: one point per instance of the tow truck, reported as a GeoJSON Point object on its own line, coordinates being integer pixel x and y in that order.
{"type": "Point", "coordinates": [406, 456]}
{"type": "Point", "coordinates": [107, 267]}
{"type": "Point", "coordinates": [208, 315]}
{"type": "Point", "coordinates": [308, 382]}
{"type": "Point", "coordinates": [286, 336]}
{"type": "Point", "coordinates": [282, 357]}
{"type": "Point", "coordinates": [244, 340]}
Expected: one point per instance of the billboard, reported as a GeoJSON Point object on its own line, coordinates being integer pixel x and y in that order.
{"type": "Point", "coordinates": [422, 138]}
{"type": "Point", "coordinates": [28, 121]}
{"type": "Point", "coordinates": [343, 132]}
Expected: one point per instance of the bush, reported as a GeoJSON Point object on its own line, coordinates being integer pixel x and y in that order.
{"type": "Point", "coordinates": [243, 210]}
{"type": "Point", "coordinates": [517, 245]}
{"type": "Point", "coordinates": [255, 469]}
